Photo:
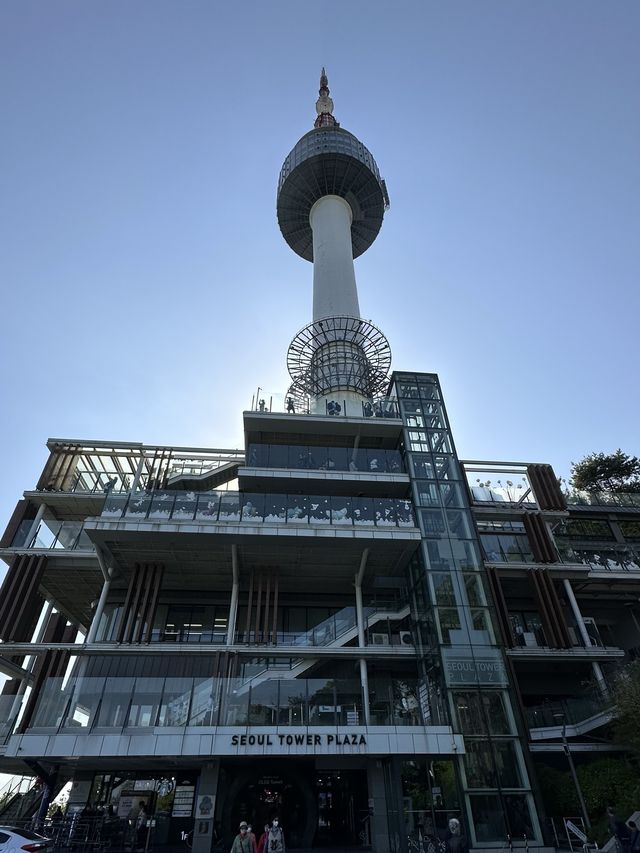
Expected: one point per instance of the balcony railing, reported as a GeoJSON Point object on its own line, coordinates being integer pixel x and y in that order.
{"type": "Point", "coordinates": [572, 710]}
{"type": "Point", "coordinates": [241, 507]}
{"type": "Point", "coordinates": [118, 704]}
{"type": "Point", "coordinates": [617, 559]}
{"type": "Point", "coordinates": [623, 499]}
{"type": "Point", "coordinates": [308, 458]}
{"type": "Point", "coordinates": [55, 535]}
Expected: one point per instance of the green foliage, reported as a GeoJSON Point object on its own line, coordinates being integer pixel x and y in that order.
{"type": "Point", "coordinates": [626, 695]}
{"type": "Point", "coordinates": [606, 472]}
{"type": "Point", "coordinates": [604, 782]}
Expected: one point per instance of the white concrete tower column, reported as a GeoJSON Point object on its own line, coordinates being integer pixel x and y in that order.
{"type": "Point", "coordinates": [334, 279]}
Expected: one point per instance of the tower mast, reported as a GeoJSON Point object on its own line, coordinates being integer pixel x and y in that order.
{"type": "Point", "coordinates": [331, 202]}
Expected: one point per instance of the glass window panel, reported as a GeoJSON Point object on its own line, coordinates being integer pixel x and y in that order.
{"type": "Point", "coordinates": [84, 704]}
{"type": "Point", "coordinates": [208, 505]}
{"type": "Point", "coordinates": [449, 620]}
{"type": "Point", "coordinates": [114, 707]}
{"type": "Point", "coordinates": [145, 702]}
{"type": "Point", "coordinates": [478, 764]}
{"type": "Point", "coordinates": [205, 702]}
{"type": "Point", "coordinates": [422, 467]}
{"type": "Point", "coordinates": [446, 468]}
{"type": "Point", "coordinates": [507, 763]}
{"type": "Point", "coordinates": [518, 808]}
{"type": "Point", "coordinates": [427, 493]}
{"type": "Point", "coordinates": [429, 392]}
{"type": "Point", "coordinates": [474, 590]}
{"type": "Point", "coordinates": [185, 506]}
{"type": "Point", "coordinates": [376, 462]}
{"type": "Point", "coordinates": [440, 441]}
{"type": "Point", "coordinates": [52, 704]}
{"type": "Point", "coordinates": [459, 523]}
{"type": "Point", "coordinates": [409, 390]}
{"type": "Point", "coordinates": [275, 509]}
{"type": "Point", "coordinates": [469, 712]}
{"type": "Point", "coordinates": [385, 512]}
{"type": "Point", "coordinates": [306, 458]}
{"type": "Point", "coordinates": [442, 589]}
{"type": "Point", "coordinates": [322, 702]}
{"type": "Point", "coordinates": [452, 495]}
{"type": "Point", "coordinates": [264, 708]}
{"type": "Point", "coordinates": [229, 507]}
{"type": "Point", "coordinates": [438, 555]}
{"type": "Point", "coordinates": [466, 554]}
{"type": "Point", "coordinates": [496, 712]}
{"type": "Point", "coordinates": [363, 512]}
{"type": "Point", "coordinates": [488, 818]}
{"type": "Point", "coordinates": [278, 456]}
{"type": "Point", "coordinates": [292, 701]}
{"type": "Point", "coordinates": [349, 703]}
{"type": "Point", "coordinates": [176, 699]}
{"type": "Point", "coordinates": [358, 460]}
{"type": "Point", "coordinates": [252, 508]}
{"type": "Point", "coordinates": [410, 407]}
{"type": "Point", "coordinates": [337, 459]}
{"type": "Point", "coordinates": [415, 421]}
{"type": "Point", "coordinates": [394, 462]}
{"type": "Point", "coordinates": [297, 509]}
{"type": "Point", "coordinates": [319, 510]}
{"type": "Point", "coordinates": [432, 522]}
{"type": "Point", "coordinates": [480, 621]}
{"type": "Point", "coordinates": [341, 511]}
{"type": "Point", "coordinates": [258, 456]}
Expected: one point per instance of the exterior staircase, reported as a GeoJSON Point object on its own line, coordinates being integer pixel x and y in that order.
{"type": "Point", "coordinates": [334, 632]}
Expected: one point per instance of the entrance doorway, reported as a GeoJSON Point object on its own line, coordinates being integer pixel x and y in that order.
{"type": "Point", "coordinates": [316, 808]}
{"type": "Point", "coordinates": [343, 813]}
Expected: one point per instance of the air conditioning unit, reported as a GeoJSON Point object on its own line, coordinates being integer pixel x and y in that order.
{"type": "Point", "coordinates": [405, 638]}
{"type": "Point", "coordinates": [379, 639]}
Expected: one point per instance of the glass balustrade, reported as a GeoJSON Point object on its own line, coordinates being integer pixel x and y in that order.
{"type": "Point", "coordinates": [256, 508]}
{"type": "Point", "coordinates": [600, 559]}
{"type": "Point", "coordinates": [301, 457]}
{"type": "Point", "coordinates": [52, 534]}
{"type": "Point", "coordinates": [571, 711]}
{"type": "Point", "coordinates": [120, 703]}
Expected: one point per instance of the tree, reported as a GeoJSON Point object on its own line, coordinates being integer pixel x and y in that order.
{"type": "Point", "coordinates": [626, 695]}
{"type": "Point", "coordinates": [606, 472]}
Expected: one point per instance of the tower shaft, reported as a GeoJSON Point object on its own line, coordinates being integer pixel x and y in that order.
{"type": "Point", "coordinates": [334, 280]}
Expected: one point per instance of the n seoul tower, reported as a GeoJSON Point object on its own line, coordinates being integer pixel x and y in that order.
{"type": "Point", "coordinates": [331, 202]}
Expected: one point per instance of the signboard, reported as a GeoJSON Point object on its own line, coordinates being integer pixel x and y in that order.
{"type": "Point", "coordinates": [204, 809]}
{"type": "Point", "coordinates": [183, 801]}
{"type": "Point", "coordinates": [571, 827]}
{"type": "Point", "coordinates": [338, 739]}
{"type": "Point", "coordinates": [464, 666]}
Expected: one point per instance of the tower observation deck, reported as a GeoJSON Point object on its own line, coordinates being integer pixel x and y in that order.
{"type": "Point", "coordinates": [331, 202]}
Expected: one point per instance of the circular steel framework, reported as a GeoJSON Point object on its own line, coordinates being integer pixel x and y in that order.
{"type": "Point", "coordinates": [330, 161]}
{"type": "Point", "coordinates": [339, 353]}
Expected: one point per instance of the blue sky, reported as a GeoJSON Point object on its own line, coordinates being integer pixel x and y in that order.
{"type": "Point", "coordinates": [146, 291]}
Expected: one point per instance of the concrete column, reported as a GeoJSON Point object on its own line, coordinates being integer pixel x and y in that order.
{"type": "Point", "coordinates": [364, 675]}
{"type": "Point", "coordinates": [205, 807]}
{"type": "Point", "coordinates": [577, 615]}
{"type": "Point", "coordinates": [334, 278]}
{"type": "Point", "coordinates": [233, 607]}
{"type": "Point", "coordinates": [378, 824]}
{"type": "Point", "coordinates": [95, 622]}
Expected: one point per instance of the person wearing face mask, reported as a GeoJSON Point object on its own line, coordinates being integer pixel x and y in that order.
{"type": "Point", "coordinates": [242, 841]}
{"type": "Point", "coordinates": [275, 839]}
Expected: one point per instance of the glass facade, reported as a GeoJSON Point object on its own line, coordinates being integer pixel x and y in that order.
{"type": "Point", "coordinates": [455, 625]}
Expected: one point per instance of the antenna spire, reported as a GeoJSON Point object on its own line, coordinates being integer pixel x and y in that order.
{"type": "Point", "coordinates": [324, 104]}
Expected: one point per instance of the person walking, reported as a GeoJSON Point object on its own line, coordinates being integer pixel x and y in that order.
{"type": "Point", "coordinates": [262, 841]}
{"type": "Point", "coordinates": [455, 841]}
{"type": "Point", "coordinates": [242, 841]}
{"type": "Point", "coordinates": [251, 834]}
{"type": "Point", "coordinates": [275, 839]}
{"type": "Point", "coordinates": [141, 826]}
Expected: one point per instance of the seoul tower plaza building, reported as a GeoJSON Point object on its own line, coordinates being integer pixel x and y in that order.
{"type": "Point", "coordinates": [305, 627]}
